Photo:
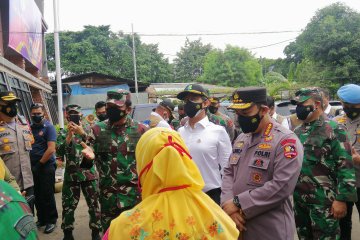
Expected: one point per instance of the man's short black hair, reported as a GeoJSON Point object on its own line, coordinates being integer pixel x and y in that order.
{"type": "Point", "coordinates": [100, 104]}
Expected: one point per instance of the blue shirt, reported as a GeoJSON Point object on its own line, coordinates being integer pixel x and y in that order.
{"type": "Point", "coordinates": [43, 134]}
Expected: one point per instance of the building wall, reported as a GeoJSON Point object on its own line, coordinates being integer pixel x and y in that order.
{"type": "Point", "coordinates": [19, 75]}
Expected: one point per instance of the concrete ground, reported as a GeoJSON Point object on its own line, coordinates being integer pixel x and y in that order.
{"type": "Point", "coordinates": [82, 231]}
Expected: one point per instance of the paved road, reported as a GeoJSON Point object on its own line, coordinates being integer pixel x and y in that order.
{"type": "Point", "coordinates": [82, 231]}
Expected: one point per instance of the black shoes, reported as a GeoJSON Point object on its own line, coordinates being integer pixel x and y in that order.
{"type": "Point", "coordinates": [49, 228]}
{"type": "Point", "coordinates": [40, 224]}
{"type": "Point", "coordinates": [95, 235]}
{"type": "Point", "coordinates": [68, 235]}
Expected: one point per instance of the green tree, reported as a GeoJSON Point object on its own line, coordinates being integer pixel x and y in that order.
{"type": "Point", "coordinates": [232, 67]}
{"type": "Point", "coordinates": [332, 41]}
{"type": "Point", "coordinates": [97, 48]}
{"type": "Point", "coordinates": [189, 63]}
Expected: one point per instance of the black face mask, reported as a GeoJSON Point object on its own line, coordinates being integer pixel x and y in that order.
{"type": "Point", "coordinates": [102, 117]}
{"type": "Point", "coordinates": [213, 109]}
{"type": "Point", "coordinates": [191, 108]}
{"type": "Point", "coordinates": [249, 124]}
{"type": "Point", "coordinates": [9, 110]}
{"type": "Point", "coordinates": [302, 112]}
{"type": "Point", "coordinates": [37, 119]}
{"type": "Point", "coordinates": [352, 113]}
{"type": "Point", "coordinates": [115, 114]}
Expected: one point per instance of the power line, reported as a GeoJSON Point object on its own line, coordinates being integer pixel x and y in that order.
{"type": "Point", "coordinates": [213, 34]}
{"type": "Point", "coordinates": [272, 44]}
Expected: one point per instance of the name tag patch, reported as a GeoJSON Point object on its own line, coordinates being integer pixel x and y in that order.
{"type": "Point", "coordinates": [264, 146]}
{"type": "Point", "coordinates": [261, 153]}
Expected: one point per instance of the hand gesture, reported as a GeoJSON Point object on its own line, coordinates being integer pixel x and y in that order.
{"type": "Point", "coordinates": [355, 156]}
{"type": "Point", "coordinates": [229, 207]}
{"type": "Point", "coordinates": [87, 152]}
{"type": "Point", "coordinates": [78, 129]}
{"type": "Point", "coordinates": [338, 209]}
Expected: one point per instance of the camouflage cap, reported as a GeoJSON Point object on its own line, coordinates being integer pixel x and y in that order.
{"type": "Point", "coordinates": [305, 94]}
{"type": "Point", "coordinates": [245, 97]}
{"type": "Point", "coordinates": [118, 97]}
{"type": "Point", "coordinates": [193, 88]}
{"type": "Point", "coordinates": [9, 96]}
{"type": "Point", "coordinates": [73, 107]}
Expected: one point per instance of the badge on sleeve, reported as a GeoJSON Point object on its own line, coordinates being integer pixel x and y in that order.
{"type": "Point", "coordinates": [234, 158]}
{"type": "Point", "coordinates": [289, 148]}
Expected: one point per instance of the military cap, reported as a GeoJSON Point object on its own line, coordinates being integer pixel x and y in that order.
{"type": "Point", "coordinates": [9, 96]}
{"type": "Point", "coordinates": [245, 97]}
{"type": "Point", "coordinates": [214, 100]}
{"type": "Point", "coordinates": [73, 107]}
{"type": "Point", "coordinates": [118, 97]}
{"type": "Point", "coordinates": [304, 94]}
{"type": "Point", "coordinates": [349, 93]}
{"type": "Point", "coordinates": [193, 88]}
{"type": "Point", "coordinates": [166, 103]}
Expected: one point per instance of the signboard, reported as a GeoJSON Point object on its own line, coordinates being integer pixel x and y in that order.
{"type": "Point", "coordinates": [25, 30]}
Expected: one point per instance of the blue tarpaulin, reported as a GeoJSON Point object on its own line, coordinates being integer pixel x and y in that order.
{"type": "Point", "coordinates": [77, 89]}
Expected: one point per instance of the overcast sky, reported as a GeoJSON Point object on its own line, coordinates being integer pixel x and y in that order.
{"type": "Point", "coordinates": [196, 16]}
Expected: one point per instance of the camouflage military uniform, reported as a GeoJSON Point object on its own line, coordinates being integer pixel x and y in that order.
{"type": "Point", "coordinates": [77, 176]}
{"type": "Point", "coordinates": [114, 149]}
{"type": "Point", "coordinates": [17, 221]}
{"type": "Point", "coordinates": [327, 174]}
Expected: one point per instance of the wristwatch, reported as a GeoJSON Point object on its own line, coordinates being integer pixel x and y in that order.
{"type": "Point", "coordinates": [236, 202]}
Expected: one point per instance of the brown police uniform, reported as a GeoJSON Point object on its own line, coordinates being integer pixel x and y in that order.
{"type": "Point", "coordinates": [262, 172]}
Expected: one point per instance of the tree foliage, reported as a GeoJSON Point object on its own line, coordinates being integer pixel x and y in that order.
{"type": "Point", "coordinates": [97, 48]}
{"type": "Point", "coordinates": [189, 63]}
{"type": "Point", "coordinates": [331, 44]}
{"type": "Point", "coordinates": [232, 67]}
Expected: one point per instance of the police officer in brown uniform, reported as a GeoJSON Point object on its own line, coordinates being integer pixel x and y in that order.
{"type": "Point", "coordinates": [15, 145]}
{"type": "Point", "coordinates": [262, 171]}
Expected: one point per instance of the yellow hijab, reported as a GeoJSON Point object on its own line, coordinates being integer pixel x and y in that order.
{"type": "Point", "coordinates": [2, 170]}
{"type": "Point", "coordinates": [173, 205]}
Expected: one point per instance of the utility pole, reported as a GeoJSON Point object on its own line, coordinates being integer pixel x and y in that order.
{"type": "Point", "coordinates": [57, 62]}
{"type": "Point", "coordinates": [134, 61]}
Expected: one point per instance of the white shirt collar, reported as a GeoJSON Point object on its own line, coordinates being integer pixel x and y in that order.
{"type": "Point", "coordinates": [203, 122]}
{"type": "Point", "coordinates": [328, 109]}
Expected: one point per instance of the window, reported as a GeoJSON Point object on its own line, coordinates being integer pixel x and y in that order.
{"type": "Point", "coordinates": [3, 86]}
{"type": "Point", "coordinates": [52, 107]}
{"type": "Point", "coordinates": [22, 91]}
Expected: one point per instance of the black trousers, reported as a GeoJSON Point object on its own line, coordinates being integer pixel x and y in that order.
{"type": "Point", "coordinates": [214, 194]}
{"type": "Point", "coordinates": [44, 187]}
{"type": "Point", "coordinates": [345, 223]}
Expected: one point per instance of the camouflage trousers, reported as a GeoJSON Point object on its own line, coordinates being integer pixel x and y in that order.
{"type": "Point", "coordinates": [112, 206]}
{"type": "Point", "coordinates": [316, 222]}
{"type": "Point", "coordinates": [70, 200]}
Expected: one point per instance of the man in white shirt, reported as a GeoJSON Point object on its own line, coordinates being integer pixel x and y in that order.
{"type": "Point", "coordinates": [328, 110]}
{"type": "Point", "coordinates": [209, 144]}
{"type": "Point", "coordinates": [278, 118]}
{"type": "Point", "coordinates": [162, 114]}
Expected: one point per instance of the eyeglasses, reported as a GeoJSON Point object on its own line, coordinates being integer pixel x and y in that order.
{"type": "Point", "coordinates": [36, 105]}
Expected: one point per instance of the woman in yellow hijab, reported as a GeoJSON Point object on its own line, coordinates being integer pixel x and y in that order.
{"type": "Point", "coordinates": [6, 175]}
{"type": "Point", "coordinates": [173, 205]}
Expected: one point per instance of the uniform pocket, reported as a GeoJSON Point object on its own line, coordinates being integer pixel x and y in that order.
{"type": "Point", "coordinates": [258, 171]}
{"type": "Point", "coordinates": [7, 145]}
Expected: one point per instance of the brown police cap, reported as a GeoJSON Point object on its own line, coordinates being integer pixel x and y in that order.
{"type": "Point", "coordinates": [245, 97]}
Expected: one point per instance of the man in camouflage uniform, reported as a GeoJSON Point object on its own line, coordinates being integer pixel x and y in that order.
{"type": "Point", "coordinates": [79, 174]}
{"type": "Point", "coordinates": [327, 177]}
{"type": "Point", "coordinates": [214, 109]}
{"type": "Point", "coordinates": [350, 99]}
{"type": "Point", "coordinates": [114, 141]}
